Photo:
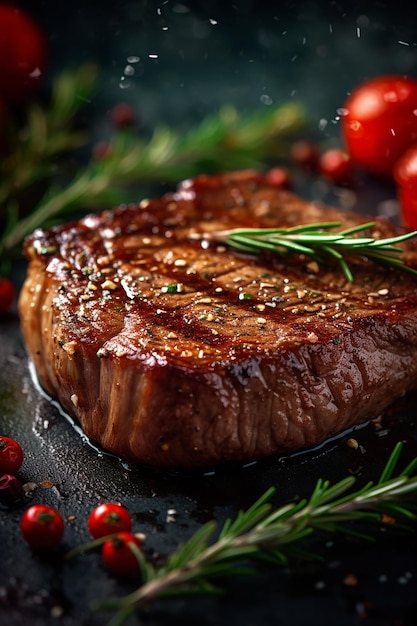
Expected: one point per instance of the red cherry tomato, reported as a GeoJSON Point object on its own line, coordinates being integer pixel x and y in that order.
{"type": "Point", "coordinates": [335, 165]}
{"type": "Point", "coordinates": [11, 455]}
{"type": "Point", "coordinates": [109, 518]}
{"type": "Point", "coordinates": [305, 154]}
{"type": "Point", "coordinates": [405, 175]}
{"type": "Point", "coordinates": [42, 526]}
{"type": "Point", "coordinates": [123, 116]}
{"type": "Point", "coordinates": [118, 556]}
{"type": "Point", "coordinates": [7, 294]}
{"type": "Point", "coordinates": [380, 122]}
{"type": "Point", "coordinates": [22, 54]}
{"type": "Point", "coordinates": [279, 177]}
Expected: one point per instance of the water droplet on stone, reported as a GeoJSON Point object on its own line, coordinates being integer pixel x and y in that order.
{"type": "Point", "coordinates": [129, 70]}
{"type": "Point", "coordinates": [125, 84]}
{"type": "Point", "coordinates": [265, 99]}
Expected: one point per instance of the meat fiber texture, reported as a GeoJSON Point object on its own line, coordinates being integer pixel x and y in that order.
{"type": "Point", "coordinates": [172, 350]}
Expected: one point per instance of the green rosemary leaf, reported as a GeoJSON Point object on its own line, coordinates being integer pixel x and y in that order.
{"type": "Point", "coordinates": [147, 571]}
{"type": "Point", "coordinates": [331, 493]}
{"type": "Point", "coordinates": [397, 511]}
{"type": "Point", "coordinates": [192, 548]}
{"type": "Point", "coordinates": [274, 557]}
{"type": "Point", "coordinates": [317, 238]}
{"type": "Point", "coordinates": [283, 513]}
{"type": "Point", "coordinates": [290, 244]}
{"type": "Point", "coordinates": [357, 229]}
{"type": "Point", "coordinates": [390, 240]}
{"type": "Point", "coordinates": [302, 228]}
{"type": "Point", "coordinates": [394, 485]}
{"type": "Point", "coordinates": [410, 469]}
{"type": "Point", "coordinates": [359, 242]}
{"type": "Point", "coordinates": [225, 569]}
{"type": "Point", "coordinates": [193, 590]}
{"type": "Point", "coordinates": [391, 464]}
{"type": "Point", "coordinates": [249, 244]}
{"type": "Point", "coordinates": [317, 493]}
{"type": "Point", "coordinates": [354, 534]}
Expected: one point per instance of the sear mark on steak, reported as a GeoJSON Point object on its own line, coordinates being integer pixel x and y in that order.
{"type": "Point", "coordinates": [175, 352]}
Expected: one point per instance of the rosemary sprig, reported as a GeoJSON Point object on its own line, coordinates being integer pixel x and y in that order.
{"type": "Point", "coordinates": [263, 532]}
{"type": "Point", "coordinates": [316, 242]}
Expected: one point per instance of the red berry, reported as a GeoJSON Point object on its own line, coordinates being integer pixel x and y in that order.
{"type": "Point", "coordinates": [279, 177]}
{"type": "Point", "coordinates": [109, 518]}
{"type": "Point", "coordinates": [42, 526]}
{"type": "Point", "coordinates": [7, 294]}
{"type": "Point", "coordinates": [11, 455]}
{"type": "Point", "coordinates": [118, 555]}
{"type": "Point", "coordinates": [22, 54]}
{"type": "Point", "coordinates": [101, 150]}
{"type": "Point", "coordinates": [334, 164]}
{"type": "Point", "coordinates": [123, 116]}
{"type": "Point", "coordinates": [305, 154]}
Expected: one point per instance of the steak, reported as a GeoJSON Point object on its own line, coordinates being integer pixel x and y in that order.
{"type": "Point", "coordinates": [172, 350]}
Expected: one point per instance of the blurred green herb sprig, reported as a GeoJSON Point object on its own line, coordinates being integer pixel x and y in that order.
{"type": "Point", "coordinates": [41, 181]}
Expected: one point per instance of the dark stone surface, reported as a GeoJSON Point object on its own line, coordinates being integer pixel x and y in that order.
{"type": "Point", "coordinates": [249, 54]}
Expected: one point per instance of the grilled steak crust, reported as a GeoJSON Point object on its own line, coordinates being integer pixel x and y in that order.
{"type": "Point", "coordinates": [174, 351]}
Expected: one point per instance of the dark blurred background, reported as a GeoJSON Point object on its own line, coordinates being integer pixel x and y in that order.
{"type": "Point", "coordinates": [174, 61]}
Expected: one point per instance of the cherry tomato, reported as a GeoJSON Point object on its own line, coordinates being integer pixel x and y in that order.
{"type": "Point", "coordinates": [42, 526]}
{"type": "Point", "coordinates": [305, 154]}
{"type": "Point", "coordinates": [7, 294]}
{"type": "Point", "coordinates": [11, 455]}
{"type": "Point", "coordinates": [334, 164]}
{"type": "Point", "coordinates": [101, 150]}
{"type": "Point", "coordinates": [109, 518]}
{"type": "Point", "coordinates": [118, 556]}
{"type": "Point", "coordinates": [405, 175]}
{"type": "Point", "coordinates": [123, 116]}
{"type": "Point", "coordinates": [279, 177]}
{"type": "Point", "coordinates": [380, 121]}
{"type": "Point", "coordinates": [23, 54]}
